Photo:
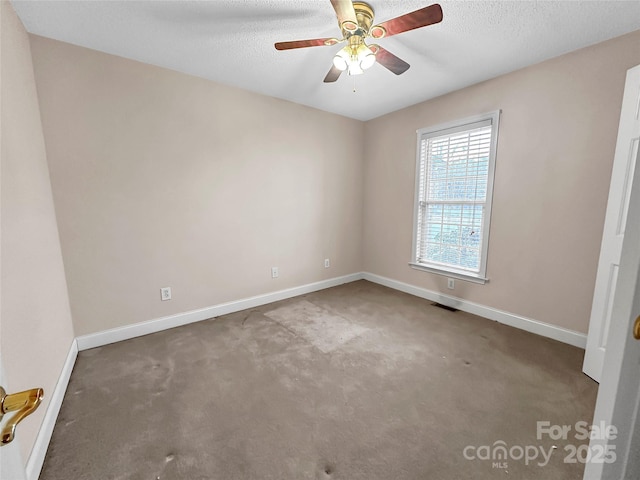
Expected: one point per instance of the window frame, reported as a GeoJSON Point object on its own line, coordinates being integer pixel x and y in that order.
{"type": "Point", "coordinates": [444, 129]}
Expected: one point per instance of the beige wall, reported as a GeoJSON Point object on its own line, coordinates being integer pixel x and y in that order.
{"type": "Point", "coordinates": [163, 179]}
{"type": "Point", "coordinates": [35, 320]}
{"type": "Point", "coordinates": [555, 152]}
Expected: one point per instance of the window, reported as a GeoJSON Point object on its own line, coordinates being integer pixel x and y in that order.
{"type": "Point", "coordinates": [454, 180]}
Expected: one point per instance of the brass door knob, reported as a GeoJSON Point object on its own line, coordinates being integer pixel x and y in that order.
{"type": "Point", "coordinates": [24, 403]}
{"type": "Point", "coordinates": [636, 328]}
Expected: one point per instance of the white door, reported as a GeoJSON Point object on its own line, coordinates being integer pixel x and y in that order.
{"type": "Point", "coordinates": [619, 392]}
{"type": "Point", "coordinates": [615, 226]}
{"type": "Point", "coordinates": [11, 466]}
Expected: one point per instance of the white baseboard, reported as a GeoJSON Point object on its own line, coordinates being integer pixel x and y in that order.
{"type": "Point", "coordinates": [564, 335]}
{"type": "Point", "coordinates": [151, 326]}
{"type": "Point", "coordinates": [39, 450]}
{"type": "Point", "coordinates": [126, 332]}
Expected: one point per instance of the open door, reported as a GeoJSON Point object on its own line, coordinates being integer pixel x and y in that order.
{"type": "Point", "coordinates": [615, 227]}
{"type": "Point", "coordinates": [616, 454]}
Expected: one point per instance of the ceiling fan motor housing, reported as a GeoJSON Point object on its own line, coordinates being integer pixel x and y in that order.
{"type": "Point", "coordinates": [364, 16]}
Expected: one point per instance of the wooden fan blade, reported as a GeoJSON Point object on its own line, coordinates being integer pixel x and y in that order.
{"type": "Point", "coordinates": [333, 75]}
{"type": "Point", "coordinates": [389, 61]}
{"type": "Point", "coordinates": [410, 21]}
{"type": "Point", "coordinates": [316, 42]}
{"type": "Point", "coordinates": [345, 11]}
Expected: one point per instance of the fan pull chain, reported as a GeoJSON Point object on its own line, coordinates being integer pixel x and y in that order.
{"type": "Point", "coordinates": [354, 83]}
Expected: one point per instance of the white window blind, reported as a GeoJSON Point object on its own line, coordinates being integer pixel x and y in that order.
{"type": "Point", "coordinates": [453, 196]}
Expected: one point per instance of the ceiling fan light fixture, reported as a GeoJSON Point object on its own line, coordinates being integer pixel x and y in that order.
{"type": "Point", "coordinates": [355, 57]}
{"type": "Point", "coordinates": [355, 69]}
{"type": "Point", "coordinates": [342, 59]}
{"type": "Point", "coordinates": [366, 57]}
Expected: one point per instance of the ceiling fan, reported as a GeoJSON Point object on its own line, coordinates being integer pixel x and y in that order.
{"type": "Point", "coordinates": [355, 20]}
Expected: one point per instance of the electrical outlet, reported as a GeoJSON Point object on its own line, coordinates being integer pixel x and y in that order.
{"type": "Point", "coordinates": [327, 263]}
{"type": "Point", "coordinates": [451, 283]}
{"type": "Point", "coordinates": [165, 293]}
{"type": "Point", "coordinates": [274, 272]}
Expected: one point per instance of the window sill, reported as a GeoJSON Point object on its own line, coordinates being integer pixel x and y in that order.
{"type": "Point", "coordinates": [460, 275]}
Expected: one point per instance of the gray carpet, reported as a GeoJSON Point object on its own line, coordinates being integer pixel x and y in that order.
{"type": "Point", "coordinates": [353, 382]}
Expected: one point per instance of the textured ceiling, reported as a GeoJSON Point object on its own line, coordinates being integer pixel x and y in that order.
{"type": "Point", "coordinates": [231, 42]}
